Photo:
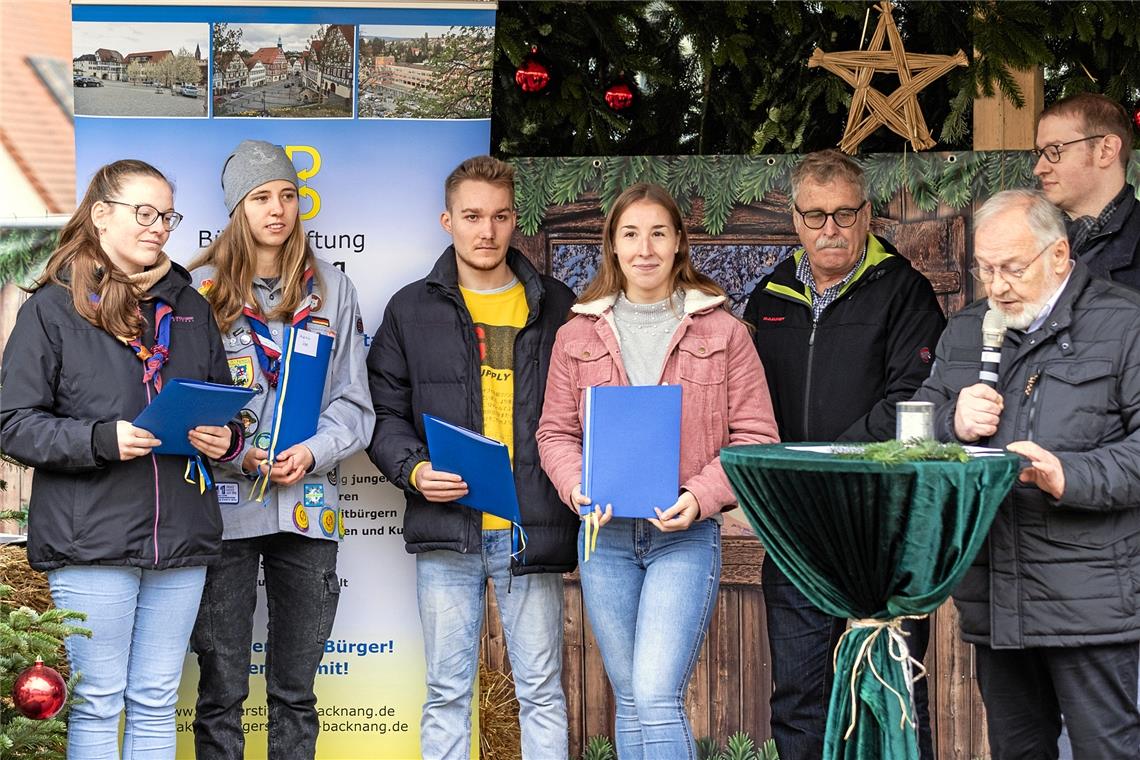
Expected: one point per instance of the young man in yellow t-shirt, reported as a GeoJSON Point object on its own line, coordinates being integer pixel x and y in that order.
{"type": "Point", "coordinates": [471, 344]}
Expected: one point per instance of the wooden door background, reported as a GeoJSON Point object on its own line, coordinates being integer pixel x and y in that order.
{"type": "Point", "coordinates": [732, 683]}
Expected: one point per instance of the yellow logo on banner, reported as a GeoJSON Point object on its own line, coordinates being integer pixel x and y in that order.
{"type": "Point", "coordinates": [304, 174]}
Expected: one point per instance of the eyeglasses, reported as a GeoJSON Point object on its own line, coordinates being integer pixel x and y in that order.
{"type": "Point", "coordinates": [843, 217]}
{"type": "Point", "coordinates": [145, 214]}
{"type": "Point", "coordinates": [986, 274]}
{"type": "Point", "coordinates": [1052, 152]}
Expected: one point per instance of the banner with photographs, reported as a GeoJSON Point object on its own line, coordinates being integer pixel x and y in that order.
{"type": "Point", "coordinates": [374, 113]}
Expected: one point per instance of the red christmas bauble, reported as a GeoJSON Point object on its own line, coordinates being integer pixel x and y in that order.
{"type": "Point", "coordinates": [532, 76]}
{"type": "Point", "coordinates": [619, 96]}
{"type": "Point", "coordinates": [1136, 118]}
{"type": "Point", "coordinates": [39, 692]}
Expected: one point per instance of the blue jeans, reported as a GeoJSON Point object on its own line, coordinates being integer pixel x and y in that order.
{"type": "Point", "coordinates": [140, 621]}
{"type": "Point", "coordinates": [802, 640]}
{"type": "Point", "coordinates": [302, 591]}
{"type": "Point", "coordinates": [650, 597]}
{"type": "Point", "coordinates": [451, 587]}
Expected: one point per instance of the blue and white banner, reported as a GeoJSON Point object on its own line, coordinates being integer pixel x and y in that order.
{"type": "Point", "coordinates": [374, 119]}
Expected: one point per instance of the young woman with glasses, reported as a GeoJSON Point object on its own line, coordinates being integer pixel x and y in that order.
{"type": "Point", "coordinates": [123, 537]}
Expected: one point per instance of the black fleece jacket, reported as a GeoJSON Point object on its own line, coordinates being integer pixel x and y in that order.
{"type": "Point", "coordinates": [838, 379]}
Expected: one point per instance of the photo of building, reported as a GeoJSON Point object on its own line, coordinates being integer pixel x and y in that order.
{"type": "Point", "coordinates": [425, 72]}
{"type": "Point", "coordinates": [298, 71]}
{"type": "Point", "coordinates": [124, 71]}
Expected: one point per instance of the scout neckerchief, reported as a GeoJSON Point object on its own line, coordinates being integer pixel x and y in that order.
{"type": "Point", "coordinates": [153, 359]}
{"type": "Point", "coordinates": [268, 350]}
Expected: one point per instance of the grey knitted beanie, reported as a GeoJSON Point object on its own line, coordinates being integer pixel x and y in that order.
{"type": "Point", "coordinates": [251, 165]}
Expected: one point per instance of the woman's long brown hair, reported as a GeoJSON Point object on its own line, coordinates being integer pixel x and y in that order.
{"type": "Point", "coordinates": [609, 279]}
{"type": "Point", "coordinates": [80, 264]}
{"type": "Point", "coordinates": [233, 255]}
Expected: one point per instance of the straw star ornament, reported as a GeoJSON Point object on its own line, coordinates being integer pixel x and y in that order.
{"type": "Point", "coordinates": [870, 108]}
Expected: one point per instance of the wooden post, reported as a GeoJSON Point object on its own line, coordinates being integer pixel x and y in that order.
{"type": "Point", "coordinates": [1000, 125]}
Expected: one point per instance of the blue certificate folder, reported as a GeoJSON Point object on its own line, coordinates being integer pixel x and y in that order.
{"type": "Point", "coordinates": [300, 388]}
{"type": "Point", "coordinates": [483, 463]}
{"type": "Point", "coordinates": [631, 448]}
{"type": "Point", "coordinates": [185, 404]}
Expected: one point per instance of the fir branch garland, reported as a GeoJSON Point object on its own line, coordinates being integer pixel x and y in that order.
{"type": "Point", "coordinates": [898, 452]}
{"type": "Point", "coordinates": [955, 179]}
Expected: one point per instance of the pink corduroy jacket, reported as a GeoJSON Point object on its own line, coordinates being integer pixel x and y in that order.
{"type": "Point", "coordinates": [724, 394]}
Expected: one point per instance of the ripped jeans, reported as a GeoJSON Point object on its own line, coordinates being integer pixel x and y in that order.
{"type": "Point", "coordinates": [302, 591]}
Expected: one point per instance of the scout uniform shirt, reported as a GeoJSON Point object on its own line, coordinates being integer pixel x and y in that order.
{"type": "Point", "coordinates": [309, 507]}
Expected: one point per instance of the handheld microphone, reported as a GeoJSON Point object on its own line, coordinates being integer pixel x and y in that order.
{"type": "Point", "coordinates": [993, 333]}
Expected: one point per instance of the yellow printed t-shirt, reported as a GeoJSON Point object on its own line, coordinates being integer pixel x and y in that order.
{"type": "Point", "coordinates": [498, 316]}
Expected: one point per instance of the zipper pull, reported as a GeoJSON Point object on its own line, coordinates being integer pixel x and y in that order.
{"type": "Point", "coordinates": [1030, 383]}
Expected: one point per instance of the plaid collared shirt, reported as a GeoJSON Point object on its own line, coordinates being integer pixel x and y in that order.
{"type": "Point", "coordinates": [820, 301]}
{"type": "Point", "coordinates": [1083, 229]}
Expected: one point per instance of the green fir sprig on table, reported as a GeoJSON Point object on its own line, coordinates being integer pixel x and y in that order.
{"type": "Point", "coordinates": [897, 452]}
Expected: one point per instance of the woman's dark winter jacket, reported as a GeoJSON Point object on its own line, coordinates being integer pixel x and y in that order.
{"type": "Point", "coordinates": [65, 385]}
{"type": "Point", "coordinates": [425, 358]}
{"type": "Point", "coordinates": [1058, 572]}
{"type": "Point", "coordinates": [839, 378]}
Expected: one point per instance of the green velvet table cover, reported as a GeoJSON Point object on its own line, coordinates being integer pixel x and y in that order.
{"type": "Point", "coordinates": [873, 543]}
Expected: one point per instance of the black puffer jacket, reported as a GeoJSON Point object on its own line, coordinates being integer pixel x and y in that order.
{"type": "Point", "coordinates": [424, 358]}
{"type": "Point", "coordinates": [1114, 252]}
{"type": "Point", "coordinates": [66, 383]}
{"type": "Point", "coordinates": [1067, 572]}
{"type": "Point", "coordinates": [839, 378]}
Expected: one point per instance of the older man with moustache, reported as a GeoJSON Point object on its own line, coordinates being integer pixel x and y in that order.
{"type": "Point", "coordinates": [1052, 601]}
{"type": "Point", "coordinates": [845, 329]}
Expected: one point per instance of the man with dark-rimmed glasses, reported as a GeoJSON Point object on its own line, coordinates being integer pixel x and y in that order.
{"type": "Point", "coordinates": [845, 328]}
{"type": "Point", "coordinates": [1082, 149]}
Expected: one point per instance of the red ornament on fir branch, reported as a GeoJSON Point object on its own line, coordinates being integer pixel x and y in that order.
{"type": "Point", "coordinates": [619, 96]}
{"type": "Point", "coordinates": [39, 692]}
{"type": "Point", "coordinates": [1136, 117]}
{"type": "Point", "coordinates": [532, 76]}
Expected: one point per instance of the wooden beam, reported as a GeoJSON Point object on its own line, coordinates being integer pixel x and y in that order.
{"type": "Point", "coordinates": [1000, 125]}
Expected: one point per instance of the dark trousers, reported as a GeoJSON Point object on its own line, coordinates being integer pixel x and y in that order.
{"type": "Point", "coordinates": [302, 590]}
{"type": "Point", "coordinates": [802, 640]}
{"type": "Point", "coordinates": [1026, 691]}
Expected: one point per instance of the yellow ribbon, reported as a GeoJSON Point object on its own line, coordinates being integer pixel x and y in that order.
{"type": "Point", "coordinates": [263, 479]}
{"type": "Point", "coordinates": [590, 534]}
{"type": "Point", "coordinates": [899, 652]}
{"type": "Point", "coordinates": [196, 474]}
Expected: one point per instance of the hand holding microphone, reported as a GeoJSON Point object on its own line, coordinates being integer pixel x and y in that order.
{"type": "Point", "coordinates": [979, 407]}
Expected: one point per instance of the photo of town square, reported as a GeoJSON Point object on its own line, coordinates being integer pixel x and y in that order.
{"type": "Point", "coordinates": [425, 72]}
{"type": "Point", "coordinates": [140, 69]}
{"type": "Point", "coordinates": [283, 70]}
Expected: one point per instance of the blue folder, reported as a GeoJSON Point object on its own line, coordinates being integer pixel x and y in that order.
{"type": "Point", "coordinates": [631, 448]}
{"type": "Point", "coordinates": [300, 388]}
{"type": "Point", "coordinates": [183, 405]}
{"type": "Point", "coordinates": [483, 463]}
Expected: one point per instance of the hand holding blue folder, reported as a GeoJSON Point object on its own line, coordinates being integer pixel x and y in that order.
{"type": "Point", "coordinates": [184, 405]}
{"type": "Point", "coordinates": [482, 462]}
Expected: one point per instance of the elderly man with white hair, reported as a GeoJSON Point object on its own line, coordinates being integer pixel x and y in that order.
{"type": "Point", "coordinates": [1052, 602]}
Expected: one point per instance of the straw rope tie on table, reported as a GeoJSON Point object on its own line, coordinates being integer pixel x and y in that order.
{"type": "Point", "coordinates": [899, 652]}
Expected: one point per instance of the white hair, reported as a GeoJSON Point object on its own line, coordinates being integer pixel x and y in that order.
{"type": "Point", "coordinates": [1042, 218]}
